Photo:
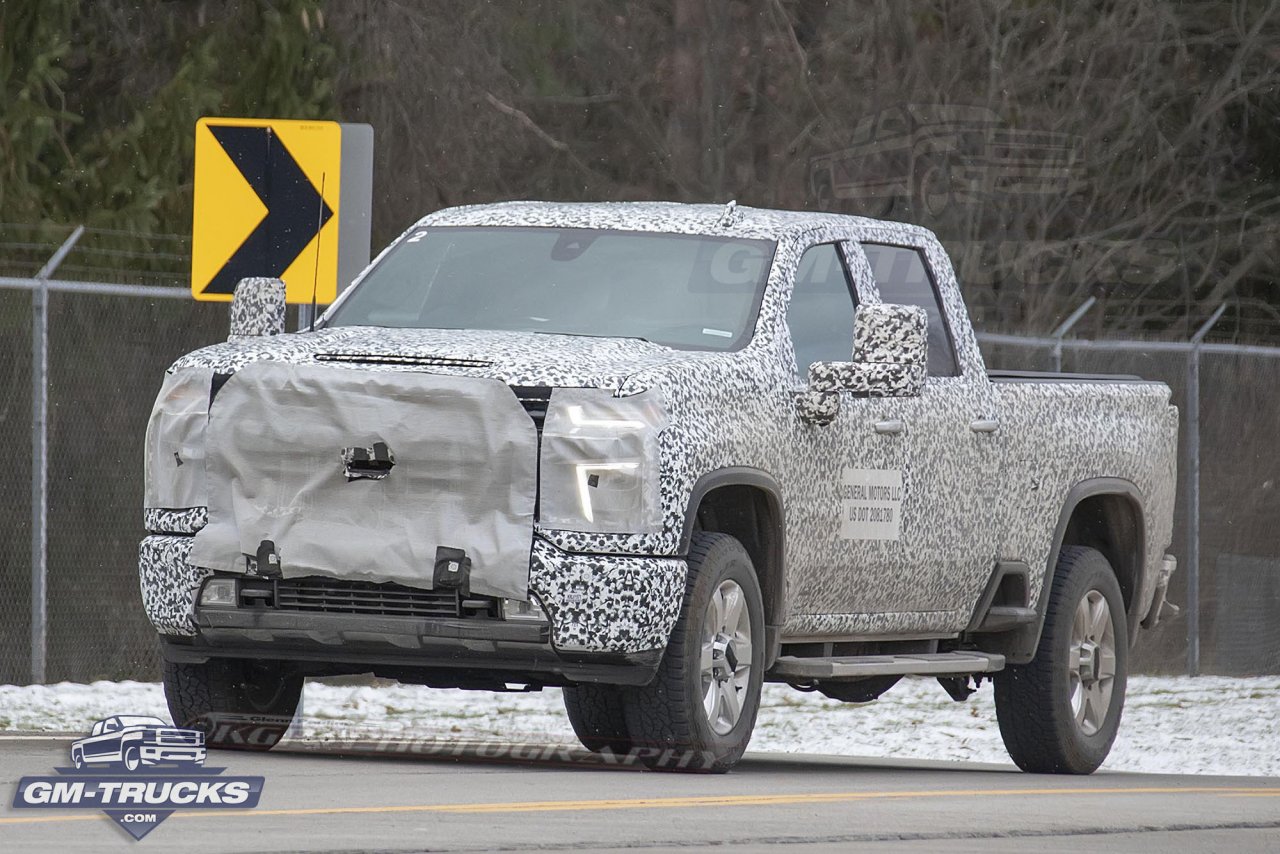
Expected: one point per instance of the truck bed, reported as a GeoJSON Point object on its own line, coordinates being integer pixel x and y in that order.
{"type": "Point", "coordinates": [1055, 377]}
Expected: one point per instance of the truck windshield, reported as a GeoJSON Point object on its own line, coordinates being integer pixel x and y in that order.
{"type": "Point", "coordinates": [686, 292]}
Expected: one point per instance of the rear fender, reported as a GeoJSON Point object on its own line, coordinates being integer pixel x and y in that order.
{"type": "Point", "coordinates": [1128, 560]}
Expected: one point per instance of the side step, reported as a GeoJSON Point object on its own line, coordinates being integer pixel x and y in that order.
{"type": "Point", "coordinates": [858, 666]}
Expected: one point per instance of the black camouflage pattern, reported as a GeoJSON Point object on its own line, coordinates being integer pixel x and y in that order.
{"type": "Point", "coordinates": [750, 409]}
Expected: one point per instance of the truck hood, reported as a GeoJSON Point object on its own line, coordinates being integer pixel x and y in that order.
{"type": "Point", "coordinates": [515, 358]}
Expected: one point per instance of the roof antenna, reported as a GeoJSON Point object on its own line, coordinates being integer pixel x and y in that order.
{"type": "Point", "coordinates": [315, 278]}
{"type": "Point", "coordinates": [730, 213]}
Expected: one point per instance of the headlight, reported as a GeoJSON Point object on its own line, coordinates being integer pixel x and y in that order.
{"type": "Point", "coordinates": [174, 464]}
{"type": "Point", "coordinates": [599, 470]}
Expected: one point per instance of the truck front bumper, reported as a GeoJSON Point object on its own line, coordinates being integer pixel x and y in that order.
{"type": "Point", "coordinates": [172, 753]}
{"type": "Point", "coordinates": [609, 620]}
{"type": "Point", "coordinates": [445, 653]}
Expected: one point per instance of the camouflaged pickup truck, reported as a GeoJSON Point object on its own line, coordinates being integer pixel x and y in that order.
{"type": "Point", "coordinates": [655, 455]}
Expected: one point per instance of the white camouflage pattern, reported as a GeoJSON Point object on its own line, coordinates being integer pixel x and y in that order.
{"type": "Point", "coordinates": [188, 521]}
{"type": "Point", "coordinates": [169, 583]}
{"type": "Point", "coordinates": [607, 603]}
{"type": "Point", "coordinates": [257, 308]}
{"type": "Point", "coordinates": [890, 334]}
{"type": "Point", "coordinates": [970, 498]}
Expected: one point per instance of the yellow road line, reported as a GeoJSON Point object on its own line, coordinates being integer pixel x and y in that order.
{"type": "Point", "coordinates": [40, 819]}
{"type": "Point", "coordinates": [694, 802]}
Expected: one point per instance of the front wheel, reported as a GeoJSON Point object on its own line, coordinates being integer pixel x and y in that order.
{"type": "Point", "coordinates": [1059, 714]}
{"type": "Point", "coordinates": [238, 703]}
{"type": "Point", "coordinates": [698, 712]}
{"type": "Point", "coordinates": [598, 717]}
{"type": "Point", "coordinates": [132, 758]}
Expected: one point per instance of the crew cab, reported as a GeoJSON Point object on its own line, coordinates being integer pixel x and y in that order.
{"type": "Point", "coordinates": [655, 455]}
{"type": "Point", "coordinates": [137, 740]}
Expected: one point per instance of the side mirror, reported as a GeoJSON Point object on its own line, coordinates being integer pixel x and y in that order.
{"type": "Point", "coordinates": [890, 356]}
{"type": "Point", "coordinates": [257, 308]}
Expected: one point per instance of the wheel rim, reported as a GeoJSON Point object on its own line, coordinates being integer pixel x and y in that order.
{"type": "Point", "coordinates": [1092, 669]}
{"type": "Point", "coordinates": [726, 656]}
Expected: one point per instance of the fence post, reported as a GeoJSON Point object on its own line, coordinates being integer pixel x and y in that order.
{"type": "Point", "coordinates": [39, 460]}
{"type": "Point", "coordinates": [1062, 330]}
{"type": "Point", "coordinates": [1193, 512]}
{"type": "Point", "coordinates": [1193, 493]}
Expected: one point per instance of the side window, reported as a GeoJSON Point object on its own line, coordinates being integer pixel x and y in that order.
{"type": "Point", "coordinates": [820, 316]}
{"type": "Point", "coordinates": [904, 279]}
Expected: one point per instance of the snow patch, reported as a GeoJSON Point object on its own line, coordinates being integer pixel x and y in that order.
{"type": "Point", "coordinates": [1205, 725]}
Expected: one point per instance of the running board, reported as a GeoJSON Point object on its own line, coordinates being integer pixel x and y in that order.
{"type": "Point", "coordinates": [859, 666]}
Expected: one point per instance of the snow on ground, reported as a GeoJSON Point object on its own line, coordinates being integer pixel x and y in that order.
{"type": "Point", "coordinates": [1206, 725]}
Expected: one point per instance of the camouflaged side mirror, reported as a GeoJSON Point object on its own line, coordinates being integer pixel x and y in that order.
{"type": "Point", "coordinates": [257, 308]}
{"type": "Point", "coordinates": [890, 357]}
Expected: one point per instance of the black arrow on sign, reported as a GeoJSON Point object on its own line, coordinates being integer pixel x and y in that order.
{"type": "Point", "coordinates": [291, 201]}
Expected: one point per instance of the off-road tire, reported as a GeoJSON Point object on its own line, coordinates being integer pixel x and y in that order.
{"type": "Point", "coordinates": [666, 719]}
{"type": "Point", "coordinates": [598, 717]}
{"type": "Point", "coordinates": [1033, 700]}
{"type": "Point", "coordinates": [239, 704]}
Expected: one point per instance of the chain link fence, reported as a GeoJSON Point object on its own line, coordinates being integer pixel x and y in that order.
{"type": "Point", "coordinates": [106, 356]}
{"type": "Point", "coordinates": [1238, 609]}
{"type": "Point", "coordinates": [108, 351]}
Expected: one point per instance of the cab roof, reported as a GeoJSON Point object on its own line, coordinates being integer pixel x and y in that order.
{"type": "Point", "coordinates": [664, 217]}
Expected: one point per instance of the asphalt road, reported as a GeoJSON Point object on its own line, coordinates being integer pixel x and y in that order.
{"type": "Point", "coordinates": [452, 797]}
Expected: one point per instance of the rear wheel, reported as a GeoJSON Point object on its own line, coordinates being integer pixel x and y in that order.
{"type": "Point", "coordinates": [238, 703]}
{"type": "Point", "coordinates": [1060, 713]}
{"type": "Point", "coordinates": [698, 712]}
{"type": "Point", "coordinates": [598, 717]}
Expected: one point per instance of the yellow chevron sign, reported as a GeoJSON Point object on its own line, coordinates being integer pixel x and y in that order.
{"type": "Point", "coordinates": [282, 198]}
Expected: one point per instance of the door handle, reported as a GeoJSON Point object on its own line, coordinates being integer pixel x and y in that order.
{"type": "Point", "coordinates": [889, 427]}
{"type": "Point", "coordinates": [984, 425]}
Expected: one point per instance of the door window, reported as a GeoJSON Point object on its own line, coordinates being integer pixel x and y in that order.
{"type": "Point", "coordinates": [903, 278]}
{"type": "Point", "coordinates": [820, 316]}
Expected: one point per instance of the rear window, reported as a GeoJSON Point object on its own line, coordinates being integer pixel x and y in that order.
{"type": "Point", "coordinates": [903, 278]}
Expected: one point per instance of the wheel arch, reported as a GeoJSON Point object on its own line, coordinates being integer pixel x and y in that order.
{"type": "Point", "coordinates": [746, 503]}
{"type": "Point", "coordinates": [1113, 523]}
{"type": "Point", "coordinates": [1105, 514]}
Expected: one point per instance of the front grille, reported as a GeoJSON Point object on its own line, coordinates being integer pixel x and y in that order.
{"type": "Point", "coordinates": [535, 399]}
{"type": "Point", "coordinates": [332, 596]}
{"type": "Point", "coordinates": [393, 359]}
{"type": "Point", "coordinates": [179, 736]}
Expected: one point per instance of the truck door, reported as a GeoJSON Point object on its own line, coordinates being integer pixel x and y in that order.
{"type": "Point", "coordinates": [835, 563]}
{"type": "Point", "coordinates": [952, 446]}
